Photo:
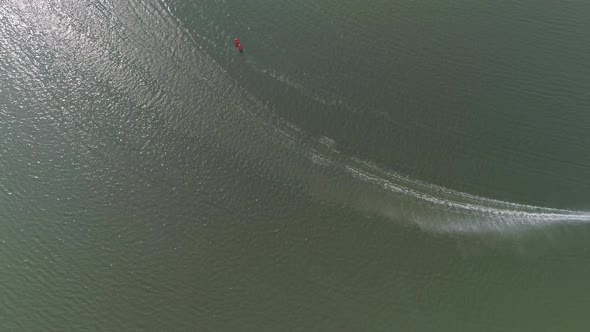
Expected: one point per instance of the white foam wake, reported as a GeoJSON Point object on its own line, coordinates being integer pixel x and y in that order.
{"type": "Point", "coordinates": [430, 206]}
{"type": "Point", "coordinates": [435, 208]}
{"type": "Point", "coordinates": [471, 213]}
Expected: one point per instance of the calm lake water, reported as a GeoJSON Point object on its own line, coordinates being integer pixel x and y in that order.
{"type": "Point", "coordinates": [362, 166]}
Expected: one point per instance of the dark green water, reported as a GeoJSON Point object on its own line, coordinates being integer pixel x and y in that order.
{"type": "Point", "coordinates": [380, 166]}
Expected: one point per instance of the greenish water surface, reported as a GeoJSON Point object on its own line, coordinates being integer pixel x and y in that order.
{"type": "Point", "coordinates": [362, 166]}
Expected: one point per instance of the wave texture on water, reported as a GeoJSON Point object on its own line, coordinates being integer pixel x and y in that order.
{"type": "Point", "coordinates": [437, 208]}
{"type": "Point", "coordinates": [179, 91]}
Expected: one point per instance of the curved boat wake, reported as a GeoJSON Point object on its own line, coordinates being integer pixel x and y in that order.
{"type": "Point", "coordinates": [432, 207]}
{"type": "Point", "coordinates": [466, 213]}
{"type": "Point", "coordinates": [161, 85]}
{"type": "Point", "coordinates": [357, 183]}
